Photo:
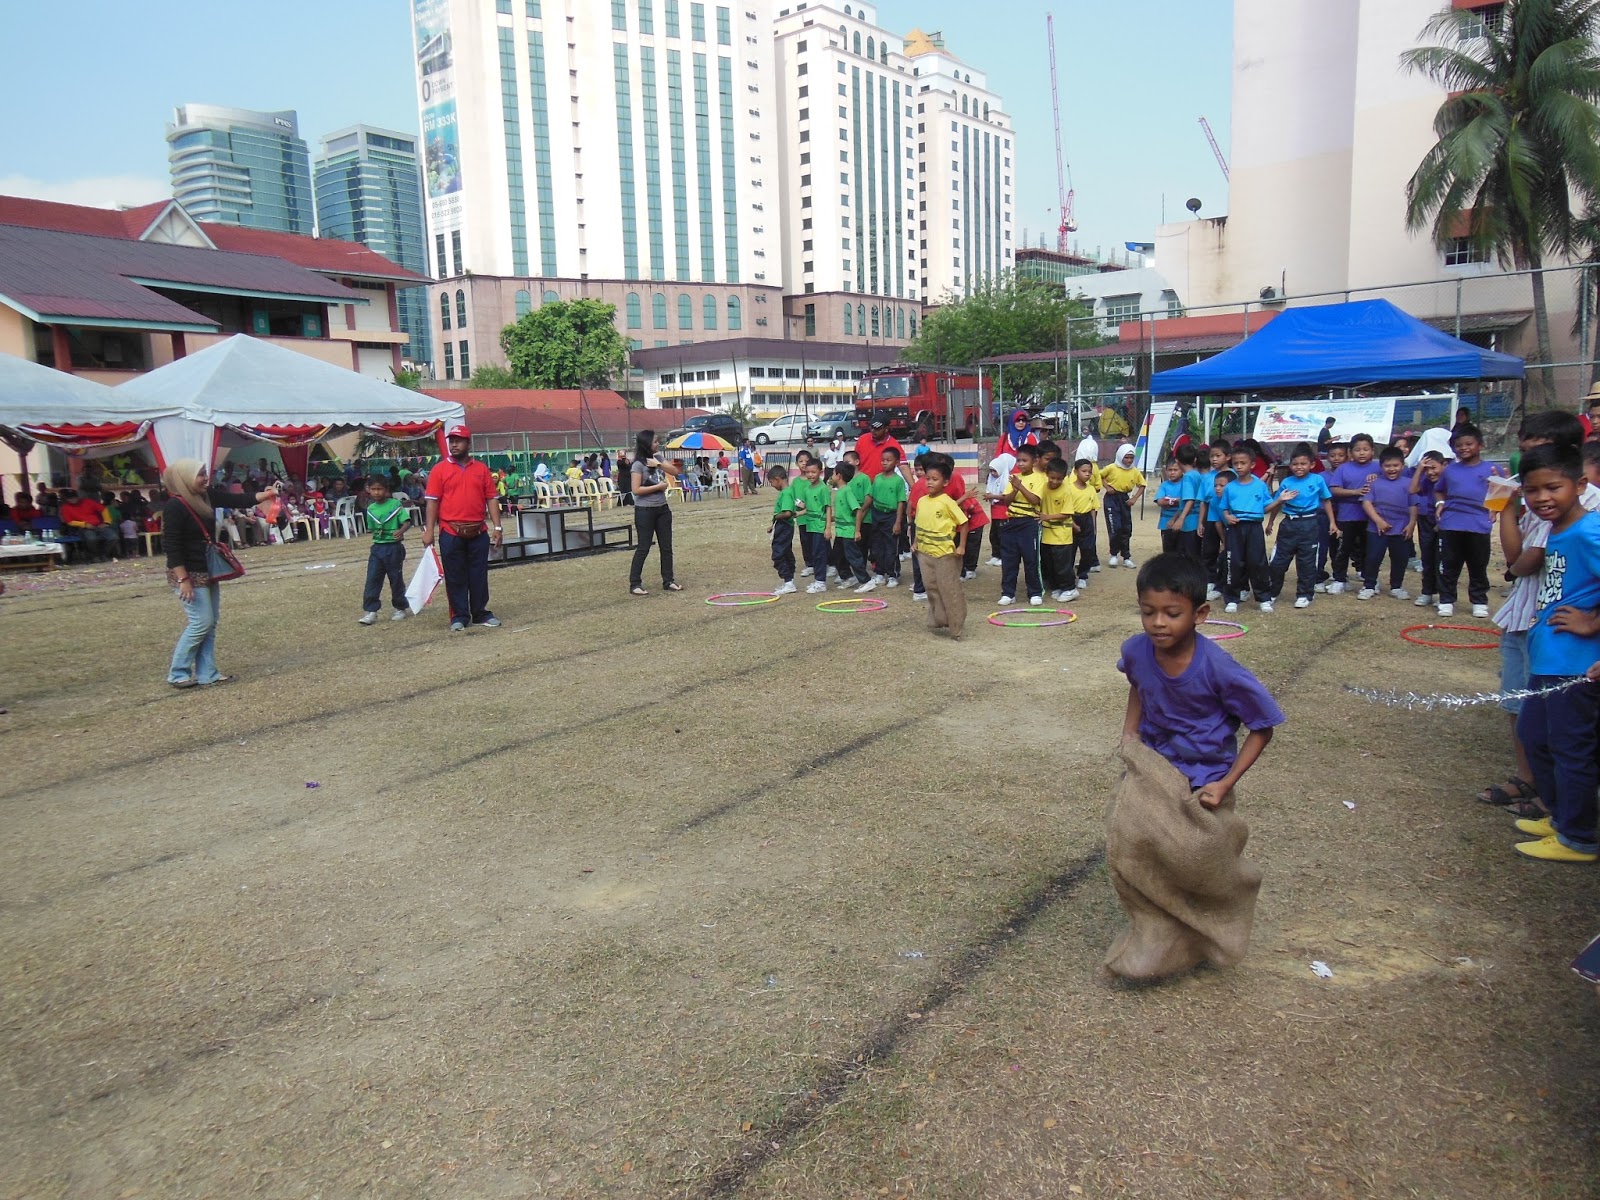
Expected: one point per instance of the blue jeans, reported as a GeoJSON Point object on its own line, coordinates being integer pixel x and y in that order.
{"type": "Point", "coordinates": [195, 656]}
{"type": "Point", "coordinates": [384, 561]}
{"type": "Point", "coordinates": [465, 562]}
{"type": "Point", "coordinates": [1558, 732]}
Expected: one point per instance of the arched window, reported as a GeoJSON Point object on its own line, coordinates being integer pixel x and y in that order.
{"type": "Point", "coordinates": [985, 110]}
{"type": "Point", "coordinates": [524, 302]}
{"type": "Point", "coordinates": [872, 49]}
{"type": "Point", "coordinates": [635, 312]}
{"type": "Point", "coordinates": [685, 313]}
{"type": "Point", "coordinates": [875, 325]}
{"type": "Point", "coordinates": [861, 319]}
{"type": "Point", "coordinates": [709, 313]}
{"type": "Point", "coordinates": [857, 43]}
{"type": "Point", "coordinates": [849, 321]}
{"type": "Point", "coordinates": [461, 308]}
{"type": "Point", "coordinates": [444, 310]}
{"type": "Point", "coordinates": [913, 326]}
{"type": "Point", "coordinates": [883, 52]}
{"type": "Point", "coordinates": [735, 313]}
{"type": "Point", "coordinates": [900, 323]}
{"type": "Point", "coordinates": [847, 10]}
{"type": "Point", "coordinates": [551, 298]}
{"type": "Point", "coordinates": [658, 311]}
{"type": "Point", "coordinates": [963, 105]}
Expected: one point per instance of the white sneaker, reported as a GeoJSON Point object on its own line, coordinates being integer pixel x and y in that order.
{"type": "Point", "coordinates": [367, 618]}
{"type": "Point", "coordinates": [814, 588]}
{"type": "Point", "coordinates": [1096, 568]}
{"type": "Point", "coordinates": [870, 585]}
{"type": "Point", "coordinates": [1212, 593]}
{"type": "Point", "coordinates": [1115, 560]}
{"type": "Point", "coordinates": [845, 582]}
{"type": "Point", "coordinates": [1480, 610]}
{"type": "Point", "coordinates": [1302, 601]}
{"type": "Point", "coordinates": [877, 579]}
{"type": "Point", "coordinates": [905, 557]}
{"type": "Point", "coordinates": [1366, 593]}
{"type": "Point", "coordinates": [894, 581]}
{"type": "Point", "coordinates": [1335, 588]}
{"type": "Point", "coordinates": [1400, 593]}
{"type": "Point", "coordinates": [1036, 600]}
{"type": "Point", "coordinates": [784, 589]}
{"type": "Point", "coordinates": [1266, 606]}
{"type": "Point", "coordinates": [1071, 594]}
{"type": "Point", "coordinates": [806, 572]}
{"type": "Point", "coordinates": [966, 575]}
{"type": "Point", "coordinates": [1321, 587]}
{"type": "Point", "coordinates": [994, 562]}
{"type": "Point", "coordinates": [1083, 581]}
{"type": "Point", "coordinates": [833, 572]}
{"type": "Point", "coordinates": [1008, 600]}
{"type": "Point", "coordinates": [400, 614]}
{"type": "Point", "coordinates": [1129, 563]}
{"type": "Point", "coordinates": [1230, 607]}
{"type": "Point", "coordinates": [1423, 600]}
{"type": "Point", "coordinates": [919, 595]}
{"type": "Point", "coordinates": [1447, 610]}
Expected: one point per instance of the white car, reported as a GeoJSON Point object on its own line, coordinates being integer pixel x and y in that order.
{"type": "Point", "coordinates": [785, 429]}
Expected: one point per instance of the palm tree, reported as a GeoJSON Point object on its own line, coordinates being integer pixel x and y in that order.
{"type": "Point", "coordinates": [1519, 137]}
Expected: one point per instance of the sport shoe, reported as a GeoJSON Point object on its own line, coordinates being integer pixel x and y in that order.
{"type": "Point", "coordinates": [965, 575]}
{"type": "Point", "coordinates": [1129, 563]}
{"type": "Point", "coordinates": [894, 581]}
{"type": "Point", "coordinates": [458, 626]}
{"type": "Point", "coordinates": [1115, 560]}
{"type": "Point", "coordinates": [905, 557]}
{"type": "Point", "coordinates": [1302, 601]}
{"type": "Point", "coordinates": [1008, 600]}
{"type": "Point", "coordinates": [1230, 607]}
{"type": "Point", "coordinates": [806, 572]}
{"type": "Point", "coordinates": [1551, 849]}
{"type": "Point", "coordinates": [1447, 610]}
{"type": "Point", "coordinates": [870, 585]}
{"type": "Point", "coordinates": [1480, 610]}
{"type": "Point", "coordinates": [1321, 587]}
{"type": "Point", "coordinates": [877, 579]}
{"type": "Point", "coordinates": [785, 588]}
{"type": "Point", "coordinates": [1423, 600]}
{"type": "Point", "coordinates": [400, 614]}
{"type": "Point", "coordinates": [1366, 593]}
{"type": "Point", "coordinates": [1083, 581]}
{"type": "Point", "coordinates": [1071, 594]}
{"type": "Point", "coordinates": [994, 562]}
{"type": "Point", "coordinates": [1212, 593]}
{"type": "Point", "coordinates": [489, 622]}
{"type": "Point", "coordinates": [1266, 606]}
{"type": "Point", "coordinates": [1541, 828]}
{"type": "Point", "coordinates": [816, 587]}
{"type": "Point", "coordinates": [367, 618]}
{"type": "Point", "coordinates": [1400, 593]}
{"type": "Point", "coordinates": [845, 583]}
{"type": "Point", "coordinates": [1335, 588]}
{"type": "Point", "coordinates": [919, 595]}
{"type": "Point", "coordinates": [1096, 568]}
{"type": "Point", "coordinates": [1035, 600]}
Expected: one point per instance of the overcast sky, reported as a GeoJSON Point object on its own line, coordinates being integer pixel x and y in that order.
{"type": "Point", "coordinates": [92, 93]}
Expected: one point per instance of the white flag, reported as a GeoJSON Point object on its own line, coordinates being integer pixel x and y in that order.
{"type": "Point", "coordinates": [424, 580]}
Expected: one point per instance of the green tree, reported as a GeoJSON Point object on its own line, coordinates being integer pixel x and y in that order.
{"type": "Point", "coordinates": [411, 380]}
{"type": "Point", "coordinates": [1008, 316]}
{"type": "Point", "coordinates": [566, 344]}
{"type": "Point", "coordinates": [492, 375]}
{"type": "Point", "coordinates": [1518, 137]}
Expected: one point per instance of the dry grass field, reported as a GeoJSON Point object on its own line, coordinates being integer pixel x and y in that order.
{"type": "Point", "coordinates": [639, 897]}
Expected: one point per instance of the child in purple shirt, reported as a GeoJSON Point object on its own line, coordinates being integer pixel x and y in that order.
{"type": "Point", "coordinates": [1464, 523]}
{"type": "Point", "coordinates": [1187, 696]}
{"type": "Point", "coordinates": [1349, 483]}
{"type": "Point", "coordinates": [1391, 516]}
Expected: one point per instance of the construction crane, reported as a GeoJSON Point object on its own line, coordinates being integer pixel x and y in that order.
{"type": "Point", "coordinates": [1215, 149]}
{"type": "Point", "coordinates": [1069, 222]}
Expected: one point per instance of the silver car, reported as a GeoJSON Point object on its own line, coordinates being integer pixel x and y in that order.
{"type": "Point", "coordinates": [791, 428]}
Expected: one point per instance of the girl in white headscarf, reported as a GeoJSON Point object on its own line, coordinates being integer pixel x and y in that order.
{"type": "Point", "coordinates": [1124, 484]}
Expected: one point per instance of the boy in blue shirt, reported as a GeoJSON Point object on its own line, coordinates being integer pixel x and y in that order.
{"type": "Point", "coordinates": [1193, 500]}
{"type": "Point", "coordinates": [1245, 504]}
{"type": "Point", "coordinates": [1169, 498]}
{"type": "Point", "coordinates": [1213, 538]}
{"type": "Point", "coordinates": [1304, 497]}
{"type": "Point", "coordinates": [1558, 730]}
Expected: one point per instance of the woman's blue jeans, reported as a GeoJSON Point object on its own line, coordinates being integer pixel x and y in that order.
{"type": "Point", "coordinates": [195, 656]}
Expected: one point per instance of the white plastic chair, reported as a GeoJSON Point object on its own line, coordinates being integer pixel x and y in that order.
{"type": "Point", "coordinates": [719, 482]}
{"type": "Point", "coordinates": [344, 517]}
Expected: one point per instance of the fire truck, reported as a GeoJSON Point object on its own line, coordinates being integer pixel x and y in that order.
{"type": "Point", "coordinates": [936, 403]}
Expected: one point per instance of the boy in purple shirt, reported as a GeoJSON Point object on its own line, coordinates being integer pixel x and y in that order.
{"type": "Point", "coordinates": [1187, 696]}
{"type": "Point", "coordinates": [1464, 523]}
{"type": "Point", "coordinates": [1349, 484]}
{"type": "Point", "coordinates": [1391, 516]}
{"type": "Point", "coordinates": [1424, 485]}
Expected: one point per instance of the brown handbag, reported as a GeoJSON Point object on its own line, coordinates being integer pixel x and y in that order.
{"type": "Point", "coordinates": [221, 562]}
{"type": "Point", "coordinates": [468, 529]}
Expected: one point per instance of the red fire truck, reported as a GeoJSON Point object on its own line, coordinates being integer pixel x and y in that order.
{"type": "Point", "coordinates": [937, 403]}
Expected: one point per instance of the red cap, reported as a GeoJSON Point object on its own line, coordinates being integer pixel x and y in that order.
{"type": "Point", "coordinates": [460, 431]}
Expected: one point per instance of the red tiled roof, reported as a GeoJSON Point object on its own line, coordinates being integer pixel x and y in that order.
{"type": "Point", "coordinates": [529, 399]}
{"type": "Point", "coordinates": [329, 256]}
{"type": "Point", "coordinates": [80, 218]}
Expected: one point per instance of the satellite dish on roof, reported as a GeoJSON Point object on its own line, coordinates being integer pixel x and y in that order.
{"type": "Point", "coordinates": [1193, 204]}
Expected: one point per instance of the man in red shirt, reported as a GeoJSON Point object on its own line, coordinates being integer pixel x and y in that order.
{"type": "Point", "coordinates": [871, 445]}
{"type": "Point", "coordinates": [460, 490]}
{"type": "Point", "coordinates": [85, 516]}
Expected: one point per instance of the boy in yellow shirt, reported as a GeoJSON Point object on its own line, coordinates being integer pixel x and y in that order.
{"type": "Point", "coordinates": [1124, 484]}
{"type": "Point", "coordinates": [939, 541]}
{"type": "Point", "coordinates": [1019, 544]}
{"type": "Point", "coordinates": [1085, 502]}
{"type": "Point", "coordinates": [1055, 538]}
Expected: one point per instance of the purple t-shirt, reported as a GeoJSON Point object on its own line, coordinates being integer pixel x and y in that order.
{"type": "Point", "coordinates": [1425, 501]}
{"type": "Point", "coordinates": [1392, 499]}
{"type": "Point", "coordinates": [1351, 475]}
{"type": "Point", "coordinates": [1463, 489]}
{"type": "Point", "coordinates": [1193, 720]}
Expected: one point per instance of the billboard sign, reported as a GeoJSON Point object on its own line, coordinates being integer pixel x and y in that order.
{"type": "Point", "coordinates": [436, 102]}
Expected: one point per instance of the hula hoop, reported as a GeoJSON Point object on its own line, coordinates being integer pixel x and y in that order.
{"type": "Point", "coordinates": [1238, 631]}
{"type": "Point", "coordinates": [1416, 641]}
{"type": "Point", "coordinates": [867, 604]}
{"type": "Point", "coordinates": [1014, 612]}
{"type": "Point", "coordinates": [727, 599]}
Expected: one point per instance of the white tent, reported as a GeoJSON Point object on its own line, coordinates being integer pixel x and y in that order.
{"type": "Point", "coordinates": [266, 392]}
{"type": "Point", "coordinates": [41, 404]}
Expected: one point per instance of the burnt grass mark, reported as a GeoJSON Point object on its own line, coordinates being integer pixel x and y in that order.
{"type": "Point", "coordinates": [762, 1146]}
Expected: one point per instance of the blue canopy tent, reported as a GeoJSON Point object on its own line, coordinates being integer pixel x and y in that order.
{"type": "Point", "coordinates": [1338, 345]}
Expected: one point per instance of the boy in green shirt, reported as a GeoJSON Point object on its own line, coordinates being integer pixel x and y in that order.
{"type": "Point", "coordinates": [386, 521]}
{"type": "Point", "coordinates": [813, 501]}
{"type": "Point", "coordinates": [850, 500]}
{"type": "Point", "coordinates": [782, 530]}
{"type": "Point", "coordinates": [889, 493]}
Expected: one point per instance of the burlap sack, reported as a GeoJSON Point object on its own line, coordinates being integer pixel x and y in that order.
{"type": "Point", "coordinates": [1179, 870]}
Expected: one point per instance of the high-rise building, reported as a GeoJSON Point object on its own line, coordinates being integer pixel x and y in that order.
{"type": "Point", "coordinates": [240, 167]}
{"type": "Point", "coordinates": [369, 190]}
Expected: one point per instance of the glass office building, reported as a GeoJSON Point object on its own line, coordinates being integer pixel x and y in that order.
{"type": "Point", "coordinates": [240, 167]}
{"type": "Point", "coordinates": [369, 190]}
